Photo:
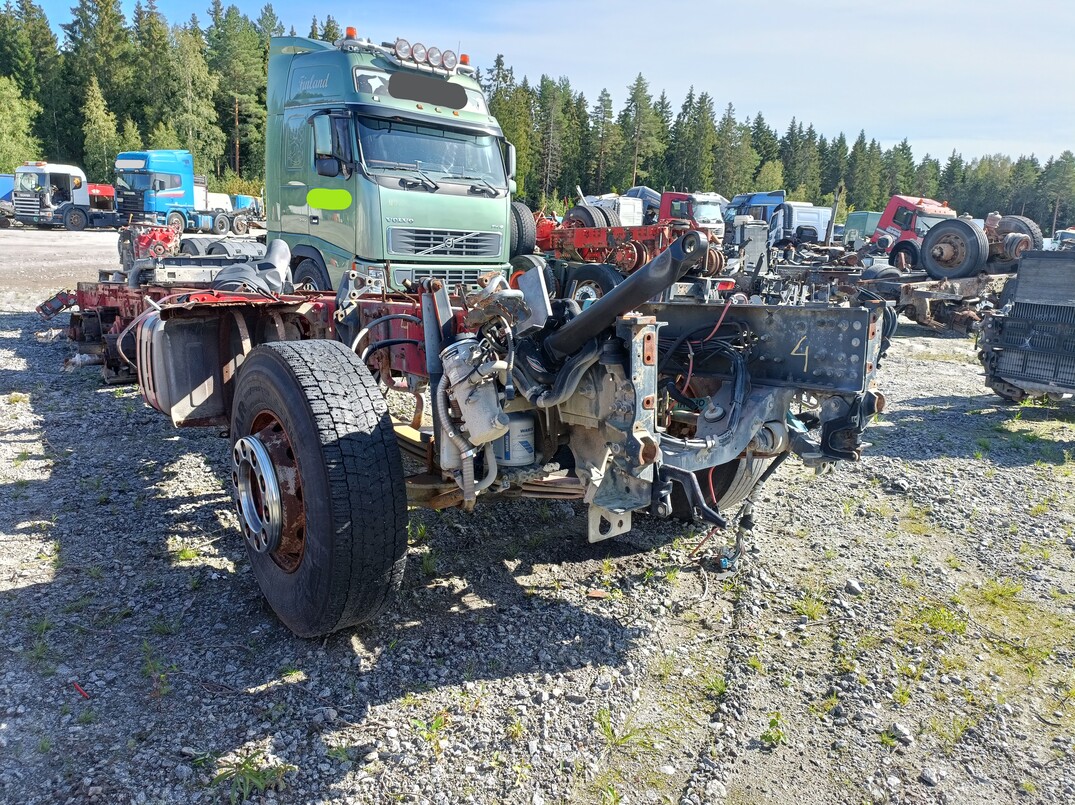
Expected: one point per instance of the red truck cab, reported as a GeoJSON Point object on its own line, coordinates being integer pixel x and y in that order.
{"type": "Point", "coordinates": [705, 211]}
{"type": "Point", "coordinates": [906, 220]}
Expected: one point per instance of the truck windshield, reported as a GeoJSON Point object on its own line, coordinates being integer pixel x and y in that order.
{"type": "Point", "coordinates": [28, 181]}
{"type": "Point", "coordinates": [447, 155]}
{"type": "Point", "coordinates": [127, 180]}
{"type": "Point", "coordinates": [707, 213]}
{"type": "Point", "coordinates": [926, 222]}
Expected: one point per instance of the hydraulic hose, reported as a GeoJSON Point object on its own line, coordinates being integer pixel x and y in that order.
{"type": "Point", "coordinates": [466, 449]}
{"type": "Point", "coordinates": [569, 377]}
{"type": "Point", "coordinates": [490, 469]}
{"type": "Point", "coordinates": [390, 317]}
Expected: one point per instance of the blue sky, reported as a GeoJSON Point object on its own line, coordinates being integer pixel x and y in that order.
{"type": "Point", "coordinates": [979, 76]}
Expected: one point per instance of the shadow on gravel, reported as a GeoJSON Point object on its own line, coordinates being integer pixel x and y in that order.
{"type": "Point", "coordinates": [131, 580]}
{"type": "Point", "coordinates": [975, 427]}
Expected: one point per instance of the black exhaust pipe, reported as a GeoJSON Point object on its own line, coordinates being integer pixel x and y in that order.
{"type": "Point", "coordinates": [644, 284]}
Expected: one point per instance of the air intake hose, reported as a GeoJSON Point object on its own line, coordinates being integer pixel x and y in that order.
{"type": "Point", "coordinates": [644, 284]}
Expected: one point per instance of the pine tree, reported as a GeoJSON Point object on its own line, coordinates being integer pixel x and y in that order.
{"type": "Point", "coordinates": [809, 187]}
{"type": "Point", "coordinates": [834, 167]}
{"type": "Point", "coordinates": [764, 140]}
{"type": "Point", "coordinates": [1057, 186]}
{"type": "Point", "coordinates": [268, 24]}
{"type": "Point", "coordinates": [235, 54]}
{"type": "Point", "coordinates": [331, 31]}
{"type": "Point", "coordinates": [99, 46]}
{"type": "Point", "coordinates": [899, 169]}
{"type": "Point", "coordinates": [678, 157]}
{"type": "Point", "coordinates": [927, 178]}
{"type": "Point", "coordinates": [952, 178]}
{"type": "Point", "coordinates": [656, 166]}
{"type": "Point", "coordinates": [102, 139]}
{"type": "Point", "coordinates": [862, 188]}
{"type": "Point", "coordinates": [703, 140]}
{"type": "Point", "coordinates": [606, 137]}
{"type": "Point", "coordinates": [790, 145]}
{"type": "Point", "coordinates": [17, 142]}
{"type": "Point", "coordinates": [164, 136]}
{"type": "Point", "coordinates": [1025, 173]}
{"type": "Point", "coordinates": [315, 29]}
{"type": "Point", "coordinates": [194, 121]}
{"type": "Point", "coordinates": [735, 161]}
{"type": "Point", "coordinates": [641, 133]}
{"type": "Point", "coordinates": [153, 59]}
{"type": "Point", "coordinates": [17, 53]}
{"type": "Point", "coordinates": [549, 124]}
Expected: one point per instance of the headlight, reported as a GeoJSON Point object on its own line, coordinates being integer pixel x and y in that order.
{"type": "Point", "coordinates": [403, 49]}
{"type": "Point", "coordinates": [450, 59]}
{"type": "Point", "coordinates": [433, 57]}
{"type": "Point", "coordinates": [418, 51]}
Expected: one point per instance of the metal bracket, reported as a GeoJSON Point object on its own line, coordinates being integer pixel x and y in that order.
{"type": "Point", "coordinates": [604, 523]}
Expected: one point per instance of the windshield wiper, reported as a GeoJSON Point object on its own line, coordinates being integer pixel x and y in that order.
{"type": "Point", "coordinates": [425, 181]}
{"type": "Point", "coordinates": [484, 187]}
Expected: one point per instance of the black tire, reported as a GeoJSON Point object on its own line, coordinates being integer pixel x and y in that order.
{"type": "Point", "coordinates": [611, 217]}
{"type": "Point", "coordinates": [592, 281]}
{"type": "Point", "coordinates": [1024, 226]}
{"type": "Point", "coordinates": [74, 220]}
{"type": "Point", "coordinates": [513, 242]}
{"type": "Point", "coordinates": [221, 224]}
{"type": "Point", "coordinates": [349, 534]}
{"type": "Point", "coordinates": [882, 273]}
{"type": "Point", "coordinates": [732, 482]}
{"type": "Point", "coordinates": [177, 221]}
{"type": "Point", "coordinates": [910, 256]}
{"type": "Point", "coordinates": [310, 276]}
{"type": "Point", "coordinates": [953, 249]}
{"type": "Point", "coordinates": [240, 226]}
{"type": "Point", "coordinates": [524, 237]}
{"type": "Point", "coordinates": [584, 215]}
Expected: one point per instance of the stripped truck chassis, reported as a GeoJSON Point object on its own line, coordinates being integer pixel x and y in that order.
{"type": "Point", "coordinates": [1028, 346]}
{"type": "Point", "coordinates": [661, 397]}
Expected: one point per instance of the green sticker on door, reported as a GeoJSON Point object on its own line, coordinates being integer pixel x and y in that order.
{"type": "Point", "coordinates": [329, 198]}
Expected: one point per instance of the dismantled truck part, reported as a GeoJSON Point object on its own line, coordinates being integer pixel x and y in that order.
{"type": "Point", "coordinates": [672, 394]}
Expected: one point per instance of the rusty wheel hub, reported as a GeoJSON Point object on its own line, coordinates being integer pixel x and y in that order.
{"type": "Point", "coordinates": [267, 490]}
{"type": "Point", "coordinates": [950, 250]}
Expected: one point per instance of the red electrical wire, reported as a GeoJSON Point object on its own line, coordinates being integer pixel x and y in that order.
{"type": "Point", "coordinates": [720, 321]}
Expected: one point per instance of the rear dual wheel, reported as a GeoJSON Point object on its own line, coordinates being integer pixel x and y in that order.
{"type": "Point", "coordinates": [318, 485]}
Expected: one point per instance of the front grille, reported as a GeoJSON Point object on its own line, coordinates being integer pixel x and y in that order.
{"type": "Point", "coordinates": [130, 201]}
{"type": "Point", "coordinates": [443, 242]}
{"type": "Point", "coordinates": [27, 205]}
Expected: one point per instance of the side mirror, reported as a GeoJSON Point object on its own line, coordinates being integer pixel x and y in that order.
{"type": "Point", "coordinates": [158, 185]}
{"type": "Point", "coordinates": [327, 166]}
{"type": "Point", "coordinates": [511, 160]}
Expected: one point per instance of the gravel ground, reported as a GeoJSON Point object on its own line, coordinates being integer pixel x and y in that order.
{"type": "Point", "coordinates": [904, 629]}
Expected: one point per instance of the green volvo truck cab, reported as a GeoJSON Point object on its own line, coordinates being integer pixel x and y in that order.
{"type": "Point", "coordinates": [383, 164]}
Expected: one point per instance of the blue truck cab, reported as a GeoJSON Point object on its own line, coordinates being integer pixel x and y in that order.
{"type": "Point", "coordinates": [757, 205]}
{"type": "Point", "coordinates": [160, 186]}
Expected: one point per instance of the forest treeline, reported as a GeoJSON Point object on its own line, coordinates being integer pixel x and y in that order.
{"type": "Point", "coordinates": [113, 84]}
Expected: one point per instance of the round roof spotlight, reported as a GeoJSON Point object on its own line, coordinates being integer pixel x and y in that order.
{"type": "Point", "coordinates": [403, 49]}
{"type": "Point", "coordinates": [418, 51]}
{"type": "Point", "coordinates": [450, 60]}
{"type": "Point", "coordinates": [433, 56]}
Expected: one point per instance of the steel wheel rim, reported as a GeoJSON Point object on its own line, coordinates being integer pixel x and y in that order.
{"type": "Point", "coordinates": [268, 494]}
{"type": "Point", "coordinates": [586, 291]}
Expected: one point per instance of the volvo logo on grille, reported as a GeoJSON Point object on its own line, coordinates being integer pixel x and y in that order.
{"type": "Point", "coordinates": [392, 220]}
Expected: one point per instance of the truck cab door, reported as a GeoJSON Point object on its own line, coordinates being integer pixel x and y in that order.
{"type": "Point", "coordinates": [331, 198]}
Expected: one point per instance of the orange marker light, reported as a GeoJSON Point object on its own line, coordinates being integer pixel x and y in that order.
{"type": "Point", "coordinates": [464, 59]}
{"type": "Point", "coordinates": [351, 32]}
